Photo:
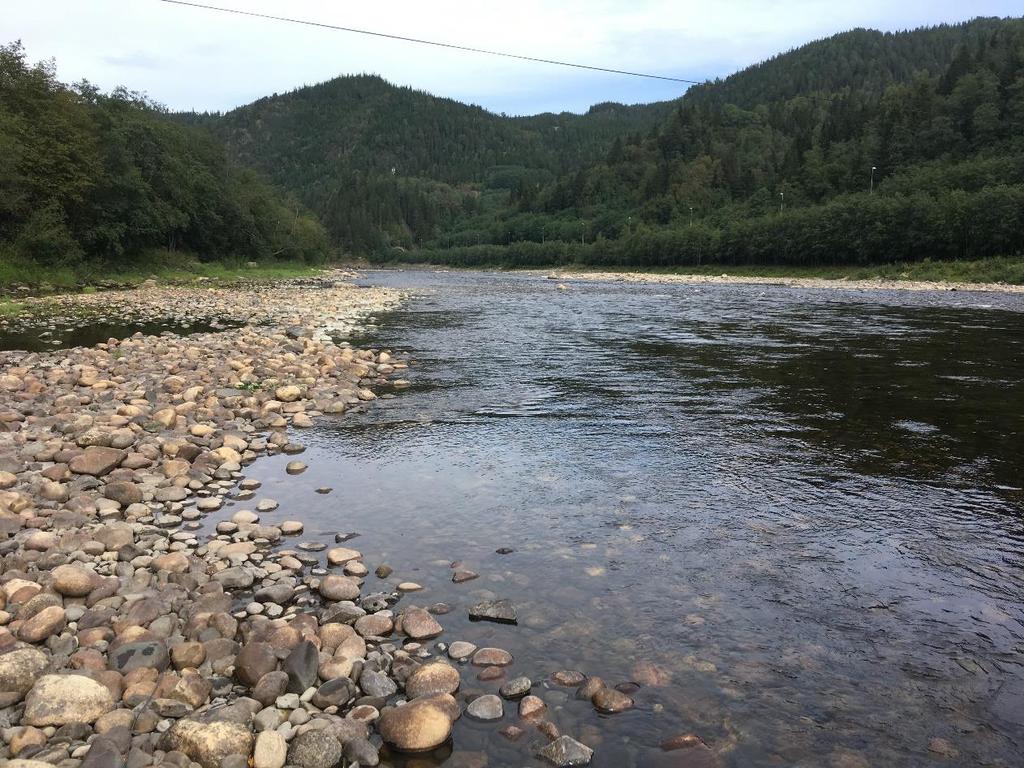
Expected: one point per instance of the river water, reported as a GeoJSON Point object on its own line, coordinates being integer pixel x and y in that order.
{"type": "Point", "coordinates": [794, 516]}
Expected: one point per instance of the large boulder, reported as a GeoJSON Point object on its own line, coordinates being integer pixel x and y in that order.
{"type": "Point", "coordinates": [209, 743]}
{"type": "Point", "coordinates": [19, 670]}
{"type": "Point", "coordinates": [96, 461]}
{"type": "Point", "coordinates": [61, 699]}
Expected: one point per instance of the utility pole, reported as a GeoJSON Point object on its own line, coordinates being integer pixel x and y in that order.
{"type": "Point", "coordinates": [583, 232]}
{"type": "Point", "coordinates": [871, 186]}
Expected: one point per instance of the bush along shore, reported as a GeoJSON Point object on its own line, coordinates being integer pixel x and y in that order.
{"type": "Point", "coordinates": [129, 637]}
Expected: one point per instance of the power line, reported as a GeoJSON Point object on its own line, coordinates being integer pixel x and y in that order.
{"type": "Point", "coordinates": [453, 46]}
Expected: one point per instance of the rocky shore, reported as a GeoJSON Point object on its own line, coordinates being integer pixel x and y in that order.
{"type": "Point", "coordinates": [143, 625]}
{"type": "Point", "coordinates": [878, 284]}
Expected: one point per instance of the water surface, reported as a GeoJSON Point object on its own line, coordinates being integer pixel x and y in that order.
{"type": "Point", "coordinates": [801, 509]}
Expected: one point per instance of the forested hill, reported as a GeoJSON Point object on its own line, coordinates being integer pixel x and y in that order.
{"type": "Point", "coordinates": [364, 123]}
{"type": "Point", "coordinates": [862, 148]}
{"type": "Point", "coordinates": [864, 59]}
{"type": "Point", "coordinates": [384, 165]}
{"type": "Point", "coordinates": [773, 163]}
{"type": "Point", "coordinates": [91, 180]}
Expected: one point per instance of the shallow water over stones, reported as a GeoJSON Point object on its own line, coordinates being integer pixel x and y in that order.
{"type": "Point", "coordinates": [784, 527]}
{"type": "Point", "coordinates": [38, 333]}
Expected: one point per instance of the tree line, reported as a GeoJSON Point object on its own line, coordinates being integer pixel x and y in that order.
{"type": "Point", "coordinates": [89, 177]}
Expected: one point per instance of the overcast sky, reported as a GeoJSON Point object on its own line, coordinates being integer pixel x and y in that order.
{"type": "Point", "coordinates": [189, 58]}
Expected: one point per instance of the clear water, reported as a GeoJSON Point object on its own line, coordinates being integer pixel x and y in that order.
{"type": "Point", "coordinates": [43, 331]}
{"type": "Point", "coordinates": [803, 507]}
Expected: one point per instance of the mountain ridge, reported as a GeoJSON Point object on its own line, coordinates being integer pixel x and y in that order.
{"type": "Point", "coordinates": [386, 165]}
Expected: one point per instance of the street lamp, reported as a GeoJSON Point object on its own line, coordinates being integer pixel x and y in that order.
{"type": "Point", "coordinates": [782, 200]}
{"type": "Point", "coordinates": [691, 215]}
{"type": "Point", "coordinates": [871, 187]}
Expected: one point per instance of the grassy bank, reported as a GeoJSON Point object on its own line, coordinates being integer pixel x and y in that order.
{"type": "Point", "coordinates": [161, 265]}
{"type": "Point", "coordinates": [10, 308]}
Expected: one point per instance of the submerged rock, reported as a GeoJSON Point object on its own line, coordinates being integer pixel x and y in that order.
{"type": "Point", "coordinates": [565, 752]}
{"type": "Point", "coordinates": [501, 611]}
{"type": "Point", "coordinates": [610, 701]}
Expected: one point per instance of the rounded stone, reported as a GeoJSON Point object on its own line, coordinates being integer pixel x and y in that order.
{"type": "Point", "coordinates": [271, 750]}
{"type": "Point", "coordinates": [61, 699]}
{"type": "Point", "coordinates": [568, 677]}
{"type": "Point", "coordinates": [420, 725]}
{"type": "Point", "coordinates": [72, 580]}
{"type": "Point", "coordinates": [492, 657]}
{"type": "Point", "coordinates": [531, 706]}
{"type": "Point", "coordinates": [516, 688]}
{"type": "Point", "coordinates": [486, 708]}
{"type": "Point", "coordinates": [20, 668]}
{"type": "Point", "coordinates": [315, 749]}
{"type": "Point", "coordinates": [432, 679]}
{"type": "Point", "coordinates": [254, 661]}
{"type": "Point", "coordinates": [610, 701]}
{"type": "Point", "coordinates": [341, 555]}
{"type": "Point", "coordinates": [336, 587]}
{"type": "Point", "coordinates": [49, 621]}
{"type": "Point", "coordinates": [420, 625]}
{"type": "Point", "coordinates": [460, 650]}
{"type": "Point", "coordinates": [375, 624]}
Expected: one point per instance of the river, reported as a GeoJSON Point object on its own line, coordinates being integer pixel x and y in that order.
{"type": "Point", "coordinates": [795, 517]}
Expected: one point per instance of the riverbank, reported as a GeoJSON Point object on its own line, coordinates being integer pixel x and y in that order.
{"type": "Point", "coordinates": [893, 278]}
{"type": "Point", "coordinates": [20, 279]}
{"type": "Point", "coordinates": [157, 608]}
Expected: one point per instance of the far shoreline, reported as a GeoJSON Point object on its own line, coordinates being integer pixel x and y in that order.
{"type": "Point", "coordinates": [844, 283]}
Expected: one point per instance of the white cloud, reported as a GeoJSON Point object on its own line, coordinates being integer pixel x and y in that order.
{"type": "Point", "coordinates": [191, 58]}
